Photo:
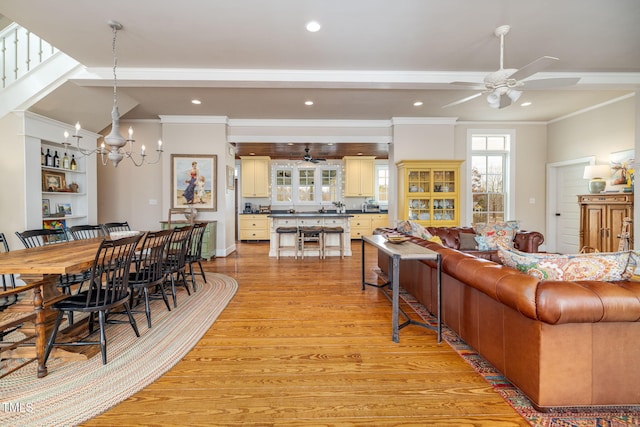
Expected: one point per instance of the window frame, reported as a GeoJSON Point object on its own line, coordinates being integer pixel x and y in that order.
{"type": "Point", "coordinates": [295, 175]}
{"type": "Point", "coordinates": [509, 171]}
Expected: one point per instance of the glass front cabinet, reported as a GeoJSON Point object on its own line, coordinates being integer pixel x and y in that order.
{"type": "Point", "coordinates": [429, 192]}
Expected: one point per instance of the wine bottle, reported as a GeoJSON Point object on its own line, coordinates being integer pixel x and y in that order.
{"type": "Point", "coordinates": [56, 160]}
{"type": "Point", "coordinates": [74, 166]}
{"type": "Point", "coordinates": [65, 161]}
{"type": "Point", "coordinates": [47, 159]}
{"type": "Point", "coordinates": [42, 159]}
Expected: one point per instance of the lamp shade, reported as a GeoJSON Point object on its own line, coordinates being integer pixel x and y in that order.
{"type": "Point", "coordinates": [597, 171]}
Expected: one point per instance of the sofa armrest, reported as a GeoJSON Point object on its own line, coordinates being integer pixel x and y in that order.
{"type": "Point", "coordinates": [528, 241]}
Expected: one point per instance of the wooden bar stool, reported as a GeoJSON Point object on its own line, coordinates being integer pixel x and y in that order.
{"type": "Point", "coordinates": [326, 231]}
{"type": "Point", "coordinates": [311, 234]}
{"type": "Point", "coordinates": [287, 230]}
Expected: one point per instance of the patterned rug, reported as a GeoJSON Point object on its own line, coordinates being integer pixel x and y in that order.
{"type": "Point", "coordinates": [74, 392]}
{"type": "Point", "coordinates": [569, 417]}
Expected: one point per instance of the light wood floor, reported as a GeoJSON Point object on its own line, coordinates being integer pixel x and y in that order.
{"type": "Point", "coordinates": [301, 344]}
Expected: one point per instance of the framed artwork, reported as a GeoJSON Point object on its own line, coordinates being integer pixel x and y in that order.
{"type": "Point", "coordinates": [621, 162]}
{"type": "Point", "coordinates": [46, 207]}
{"type": "Point", "coordinates": [65, 208]}
{"type": "Point", "coordinates": [193, 181]}
{"type": "Point", "coordinates": [231, 177]}
{"type": "Point", "coordinates": [53, 181]}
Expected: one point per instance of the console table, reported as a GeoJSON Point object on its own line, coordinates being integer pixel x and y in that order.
{"type": "Point", "coordinates": [398, 252]}
{"type": "Point", "coordinates": [208, 240]}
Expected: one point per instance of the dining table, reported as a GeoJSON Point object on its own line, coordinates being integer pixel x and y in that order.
{"type": "Point", "coordinates": [39, 268]}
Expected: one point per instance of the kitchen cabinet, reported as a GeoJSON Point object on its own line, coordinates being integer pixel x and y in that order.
{"type": "Point", "coordinates": [364, 224]}
{"type": "Point", "coordinates": [359, 176]}
{"type": "Point", "coordinates": [254, 227]}
{"type": "Point", "coordinates": [429, 192]}
{"type": "Point", "coordinates": [602, 218]}
{"type": "Point", "coordinates": [254, 176]}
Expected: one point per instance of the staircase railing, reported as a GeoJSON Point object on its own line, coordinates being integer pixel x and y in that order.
{"type": "Point", "coordinates": [20, 52]}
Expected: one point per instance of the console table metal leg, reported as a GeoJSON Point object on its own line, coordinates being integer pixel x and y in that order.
{"type": "Point", "coordinates": [439, 264]}
{"type": "Point", "coordinates": [395, 301]}
{"type": "Point", "coordinates": [362, 264]}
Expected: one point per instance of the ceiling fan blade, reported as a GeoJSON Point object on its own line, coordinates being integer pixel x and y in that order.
{"type": "Point", "coordinates": [533, 67]}
{"type": "Point", "coordinates": [470, 85]}
{"type": "Point", "coordinates": [549, 83]}
{"type": "Point", "coordinates": [460, 101]}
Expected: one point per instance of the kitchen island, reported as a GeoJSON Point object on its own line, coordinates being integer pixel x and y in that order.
{"type": "Point", "coordinates": [329, 219]}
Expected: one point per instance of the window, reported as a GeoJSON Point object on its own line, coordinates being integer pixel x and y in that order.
{"type": "Point", "coordinates": [306, 185]}
{"type": "Point", "coordinates": [296, 183]}
{"type": "Point", "coordinates": [283, 185]}
{"type": "Point", "coordinates": [489, 176]}
{"type": "Point", "coordinates": [382, 184]}
{"type": "Point", "coordinates": [329, 185]}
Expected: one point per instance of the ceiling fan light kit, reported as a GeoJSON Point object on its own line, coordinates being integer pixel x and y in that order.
{"type": "Point", "coordinates": [500, 86]}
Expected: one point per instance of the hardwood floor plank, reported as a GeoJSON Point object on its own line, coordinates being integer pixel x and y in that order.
{"type": "Point", "coordinates": [301, 344]}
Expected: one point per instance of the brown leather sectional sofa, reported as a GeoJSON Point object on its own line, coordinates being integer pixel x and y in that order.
{"type": "Point", "coordinates": [561, 343]}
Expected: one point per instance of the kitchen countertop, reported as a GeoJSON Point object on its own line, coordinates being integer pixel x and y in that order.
{"type": "Point", "coordinates": [349, 213]}
{"type": "Point", "coordinates": [309, 214]}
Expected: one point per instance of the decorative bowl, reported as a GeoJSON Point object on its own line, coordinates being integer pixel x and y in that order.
{"type": "Point", "coordinates": [397, 239]}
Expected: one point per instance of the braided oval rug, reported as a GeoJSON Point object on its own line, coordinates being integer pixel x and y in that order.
{"type": "Point", "coordinates": [75, 391]}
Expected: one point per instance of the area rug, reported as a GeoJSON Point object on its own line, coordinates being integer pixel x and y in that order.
{"type": "Point", "coordinates": [569, 417]}
{"type": "Point", "coordinates": [74, 392]}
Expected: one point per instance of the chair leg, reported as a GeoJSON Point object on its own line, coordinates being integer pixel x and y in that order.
{"type": "Point", "coordinates": [147, 308]}
{"type": "Point", "coordinates": [132, 321]}
{"type": "Point", "coordinates": [202, 271]}
{"type": "Point", "coordinates": [52, 338]}
{"type": "Point", "coordinates": [103, 336]}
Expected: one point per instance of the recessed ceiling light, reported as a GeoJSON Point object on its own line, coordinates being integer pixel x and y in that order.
{"type": "Point", "coordinates": [359, 154]}
{"type": "Point", "coordinates": [330, 143]}
{"type": "Point", "coordinates": [418, 103]}
{"type": "Point", "coordinates": [308, 103]}
{"type": "Point", "coordinates": [289, 143]}
{"type": "Point", "coordinates": [196, 101]}
{"type": "Point", "coordinates": [252, 154]}
{"type": "Point", "coordinates": [313, 26]}
{"type": "Point", "coordinates": [526, 104]}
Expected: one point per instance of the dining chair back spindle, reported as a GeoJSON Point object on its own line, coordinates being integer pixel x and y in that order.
{"type": "Point", "coordinates": [79, 232]}
{"type": "Point", "coordinates": [108, 289]}
{"type": "Point", "coordinates": [175, 259]}
{"type": "Point", "coordinates": [115, 226]}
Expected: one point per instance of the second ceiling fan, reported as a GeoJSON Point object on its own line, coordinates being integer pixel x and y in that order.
{"type": "Point", "coordinates": [307, 157]}
{"type": "Point", "coordinates": [506, 85]}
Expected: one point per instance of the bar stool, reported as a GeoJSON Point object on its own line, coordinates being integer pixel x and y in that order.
{"type": "Point", "coordinates": [311, 234]}
{"type": "Point", "coordinates": [332, 230]}
{"type": "Point", "coordinates": [287, 230]}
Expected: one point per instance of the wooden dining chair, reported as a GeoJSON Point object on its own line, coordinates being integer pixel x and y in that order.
{"type": "Point", "coordinates": [8, 283]}
{"type": "Point", "coordinates": [50, 236]}
{"type": "Point", "coordinates": [108, 289]}
{"type": "Point", "coordinates": [80, 232]}
{"type": "Point", "coordinates": [147, 273]}
{"type": "Point", "coordinates": [194, 252]}
{"type": "Point", "coordinates": [174, 265]}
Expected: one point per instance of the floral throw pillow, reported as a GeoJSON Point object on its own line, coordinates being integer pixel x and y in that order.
{"type": "Point", "coordinates": [605, 266]}
{"type": "Point", "coordinates": [414, 229]}
{"type": "Point", "coordinates": [495, 233]}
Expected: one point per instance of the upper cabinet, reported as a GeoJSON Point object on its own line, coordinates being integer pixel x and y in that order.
{"type": "Point", "coordinates": [359, 176]}
{"type": "Point", "coordinates": [254, 176]}
{"type": "Point", "coordinates": [429, 192]}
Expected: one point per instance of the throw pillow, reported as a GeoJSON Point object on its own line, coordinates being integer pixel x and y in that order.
{"type": "Point", "coordinates": [468, 242]}
{"type": "Point", "coordinates": [497, 232]}
{"type": "Point", "coordinates": [482, 243]}
{"type": "Point", "coordinates": [414, 229]}
{"type": "Point", "coordinates": [605, 266]}
{"type": "Point", "coordinates": [436, 239]}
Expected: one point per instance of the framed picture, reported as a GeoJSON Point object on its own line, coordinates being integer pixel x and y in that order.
{"type": "Point", "coordinates": [231, 177]}
{"type": "Point", "coordinates": [193, 181]}
{"type": "Point", "coordinates": [53, 181]}
{"type": "Point", "coordinates": [620, 163]}
{"type": "Point", "coordinates": [65, 208]}
{"type": "Point", "coordinates": [46, 207]}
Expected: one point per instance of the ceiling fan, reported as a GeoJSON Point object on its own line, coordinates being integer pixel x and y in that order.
{"type": "Point", "coordinates": [307, 157]}
{"type": "Point", "coordinates": [506, 85]}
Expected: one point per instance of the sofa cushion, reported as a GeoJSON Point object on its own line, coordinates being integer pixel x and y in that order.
{"type": "Point", "coordinates": [495, 233]}
{"type": "Point", "coordinates": [606, 266]}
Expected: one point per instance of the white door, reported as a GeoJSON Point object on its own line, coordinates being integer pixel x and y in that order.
{"type": "Point", "coordinates": [565, 182]}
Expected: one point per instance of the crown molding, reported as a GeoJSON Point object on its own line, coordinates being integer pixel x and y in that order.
{"type": "Point", "coordinates": [338, 139]}
{"type": "Point", "coordinates": [215, 120]}
{"type": "Point", "coordinates": [309, 123]}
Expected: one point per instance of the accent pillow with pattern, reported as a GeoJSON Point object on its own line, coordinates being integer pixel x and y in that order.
{"type": "Point", "coordinates": [493, 233]}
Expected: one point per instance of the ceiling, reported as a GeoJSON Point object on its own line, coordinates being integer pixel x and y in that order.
{"type": "Point", "coordinates": [371, 60]}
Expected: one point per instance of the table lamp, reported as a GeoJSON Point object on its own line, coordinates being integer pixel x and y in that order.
{"type": "Point", "coordinates": [596, 175]}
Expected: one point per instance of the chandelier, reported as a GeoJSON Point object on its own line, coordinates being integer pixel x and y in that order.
{"type": "Point", "coordinates": [115, 147]}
